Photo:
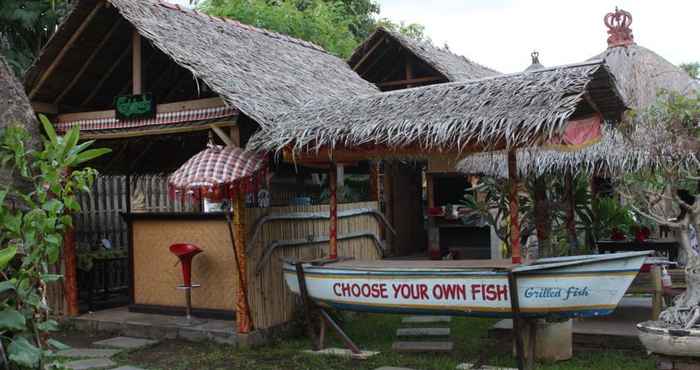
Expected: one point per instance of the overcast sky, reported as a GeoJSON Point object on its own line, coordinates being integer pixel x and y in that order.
{"type": "Point", "coordinates": [501, 34]}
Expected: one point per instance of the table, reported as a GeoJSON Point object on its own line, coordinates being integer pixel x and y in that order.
{"type": "Point", "coordinates": [664, 248]}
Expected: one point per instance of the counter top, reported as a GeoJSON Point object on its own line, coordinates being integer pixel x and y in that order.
{"type": "Point", "coordinates": [128, 217]}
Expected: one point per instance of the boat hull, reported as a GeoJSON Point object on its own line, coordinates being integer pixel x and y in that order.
{"type": "Point", "coordinates": [552, 288]}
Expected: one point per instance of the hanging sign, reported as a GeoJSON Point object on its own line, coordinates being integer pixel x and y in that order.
{"type": "Point", "coordinates": [130, 107]}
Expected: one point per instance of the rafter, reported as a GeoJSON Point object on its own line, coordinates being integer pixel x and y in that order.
{"type": "Point", "coordinates": [107, 75]}
{"type": "Point", "coordinates": [368, 53]}
{"type": "Point", "coordinates": [74, 37]}
{"type": "Point", "coordinates": [89, 60]}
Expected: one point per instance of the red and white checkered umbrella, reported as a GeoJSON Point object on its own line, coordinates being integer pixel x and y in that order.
{"type": "Point", "coordinates": [218, 172]}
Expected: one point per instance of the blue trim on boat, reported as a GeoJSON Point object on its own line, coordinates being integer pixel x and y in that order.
{"type": "Point", "coordinates": [422, 311]}
{"type": "Point", "coordinates": [340, 272]}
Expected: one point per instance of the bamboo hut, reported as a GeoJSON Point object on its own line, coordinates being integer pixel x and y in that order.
{"type": "Point", "coordinates": [393, 61]}
{"type": "Point", "coordinates": [449, 120]}
{"type": "Point", "coordinates": [197, 78]}
{"type": "Point", "coordinates": [642, 75]}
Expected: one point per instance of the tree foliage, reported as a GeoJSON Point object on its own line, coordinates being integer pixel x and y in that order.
{"type": "Point", "coordinates": [25, 26]}
{"type": "Point", "coordinates": [693, 69]}
{"type": "Point", "coordinates": [336, 25]}
{"type": "Point", "coordinates": [32, 224]}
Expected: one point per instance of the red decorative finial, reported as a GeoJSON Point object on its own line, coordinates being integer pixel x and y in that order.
{"type": "Point", "coordinates": [618, 24]}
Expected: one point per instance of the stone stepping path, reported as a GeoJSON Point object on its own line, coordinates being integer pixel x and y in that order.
{"type": "Point", "coordinates": [423, 332]}
{"type": "Point", "coordinates": [343, 352]}
{"type": "Point", "coordinates": [87, 353]}
{"type": "Point", "coordinates": [419, 338]}
{"type": "Point", "coordinates": [92, 363]}
{"type": "Point", "coordinates": [424, 346]}
{"type": "Point", "coordinates": [468, 366]}
{"type": "Point", "coordinates": [392, 368]}
{"type": "Point", "coordinates": [127, 368]}
{"type": "Point", "coordinates": [125, 343]}
{"type": "Point", "coordinates": [426, 319]}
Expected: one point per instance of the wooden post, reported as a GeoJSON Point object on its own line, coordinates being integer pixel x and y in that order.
{"type": "Point", "coordinates": [374, 181]}
{"type": "Point", "coordinates": [333, 206]}
{"type": "Point", "coordinates": [515, 312]}
{"type": "Point", "coordinates": [71, 271]}
{"type": "Point", "coordinates": [658, 295]}
{"type": "Point", "coordinates": [137, 81]}
{"type": "Point", "coordinates": [243, 317]}
{"type": "Point", "coordinates": [514, 207]}
{"type": "Point", "coordinates": [542, 216]}
{"type": "Point", "coordinates": [570, 211]}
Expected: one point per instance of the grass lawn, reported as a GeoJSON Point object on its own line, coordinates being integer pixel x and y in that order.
{"type": "Point", "coordinates": [371, 332]}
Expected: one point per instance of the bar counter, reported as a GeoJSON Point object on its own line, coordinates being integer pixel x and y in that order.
{"type": "Point", "coordinates": [156, 272]}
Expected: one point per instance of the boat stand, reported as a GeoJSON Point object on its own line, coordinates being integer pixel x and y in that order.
{"type": "Point", "coordinates": [525, 360]}
{"type": "Point", "coordinates": [325, 319]}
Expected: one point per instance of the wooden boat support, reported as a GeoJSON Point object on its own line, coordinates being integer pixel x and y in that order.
{"type": "Point", "coordinates": [308, 216]}
{"type": "Point", "coordinates": [311, 240]}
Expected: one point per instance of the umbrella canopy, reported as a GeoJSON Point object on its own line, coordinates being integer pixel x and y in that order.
{"type": "Point", "coordinates": [218, 172]}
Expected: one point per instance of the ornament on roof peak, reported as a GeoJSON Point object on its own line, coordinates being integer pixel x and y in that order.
{"type": "Point", "coordinates": [618, 24]}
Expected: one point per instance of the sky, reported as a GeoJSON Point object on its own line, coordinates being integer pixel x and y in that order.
{"type": "Point", "coordinates": [502, 34]}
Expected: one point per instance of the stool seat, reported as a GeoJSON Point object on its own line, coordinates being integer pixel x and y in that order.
{"type": "Point", "coordinates": [183, 250]}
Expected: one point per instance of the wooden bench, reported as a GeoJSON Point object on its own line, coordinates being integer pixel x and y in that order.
{"type": "Point", "coordinates": [650, 283]}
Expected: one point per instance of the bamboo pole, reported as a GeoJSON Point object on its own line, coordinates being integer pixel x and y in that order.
{"type": "Point", "coordinates": [333, 206]}
{"type": "Point", "coordinates": [243, 317]}
{"type": "Point", "coordinates": [514, 207]}
{"type": "Point", "coordinates": [71, 279]}
{"type": "Point", "coordinates": [137, 77]}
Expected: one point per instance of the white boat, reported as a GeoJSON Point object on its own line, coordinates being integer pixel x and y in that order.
{"type": "Point", "coordinates": [578, 286]}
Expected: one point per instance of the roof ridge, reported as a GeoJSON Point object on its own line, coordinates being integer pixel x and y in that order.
{"type": "Point", "coordinates": [428, 44]}
{"type": "Point", "coordinates": [235, 23]}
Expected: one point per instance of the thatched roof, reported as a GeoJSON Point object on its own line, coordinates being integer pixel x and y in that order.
{"type": "Point", "coordinates": [15, 110]}
{"type": "Point", "coordinates": [508, 110]}
{"type": "Point", "coordinates": [452, 66]}
{"type": "Point", "coordinates": [641, 75]}
{"type": "Point", "coordinates": [261, 73]}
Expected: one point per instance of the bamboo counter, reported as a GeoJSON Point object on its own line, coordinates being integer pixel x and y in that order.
{"type": "Point", "coordinates": [155, 275]}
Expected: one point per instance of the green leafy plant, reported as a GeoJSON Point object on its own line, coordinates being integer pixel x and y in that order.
{"type": "Point", "coordinates": [32, 224]}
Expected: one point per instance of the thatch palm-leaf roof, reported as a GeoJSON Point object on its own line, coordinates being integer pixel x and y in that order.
{"type": "Point", "coordinates": [262, 73]}
{"type": "Point", "coordinates": [507, 111]}
{"type": "Point", "coordinates": [452, 66]}
{"type": "Point", "coordinates": [641, 75]}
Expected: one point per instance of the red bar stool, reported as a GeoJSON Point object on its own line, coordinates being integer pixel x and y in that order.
{"type": "Point", "coordinates": [186, 252]}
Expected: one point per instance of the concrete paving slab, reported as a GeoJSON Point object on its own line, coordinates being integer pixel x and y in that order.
{"type": "Point", "coordinates": [125, 343]}
{"type": "Point", "coordinates": [93, 363]}
{"type": "Point", "coordinates": [392, 368]}
{"type": "Point", "coordinates": [426, 319]}
{"type": "Point", "coordinates": [423, 332]}
{"type": "Point", "coordinates": [468, 366]}
{"type": "Point", "coordinates": [342, 352]}
{"type": "Point", "coordinates": [87, 353]}
{"type": "Point", "coordinates": [423, 346]}
{"type": "Point", "coordinates": [128, 368]}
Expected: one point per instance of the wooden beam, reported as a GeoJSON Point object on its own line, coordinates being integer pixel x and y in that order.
{"type": "Point", "coordinates": [222, 135]}
{"type": "Point", "coordinates": [136, 70]}
{"type": "Point", "coordinates": [235, 135]}
{"type": "Point", "coordinates": [41, 107]}
{"type": "Point", "coordinates": [514, 207]}
{"type": "Point", "coordinates": [365, 152]}
{"type": "Point", "coordinates": [368, 53]}
{"type": "Point", "coordinates": [106, 76]}
{"type": "Point", "coordinates": [161, 108]}
{"type": "Point", "coordinates": [419, 80]}
{"type": "Point", "coordinates": [89, 60]}
{"type": "Point", "coordinates": [74, 37]}
{"type": "Point", "coordinates": [333, 207]}
{"type": "Point", "coordinates": [151, 132]}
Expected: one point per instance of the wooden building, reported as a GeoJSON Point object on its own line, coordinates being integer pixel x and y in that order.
{"type": "Point", "coordinates": [393, 61]}
{"type": "Point", "coordinates": [153, 81]}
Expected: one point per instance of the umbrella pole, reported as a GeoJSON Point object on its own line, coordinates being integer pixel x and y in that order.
{"type": "Point", "coordinates": [514, 207]}
{"type": "Point", "coordinates": [333, 205]}
{"type": "Point", "coordinates": [243, 319]}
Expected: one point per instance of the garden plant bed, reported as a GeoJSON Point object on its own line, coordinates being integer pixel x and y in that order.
{"type": "Point", "coordinates": [371, 332]}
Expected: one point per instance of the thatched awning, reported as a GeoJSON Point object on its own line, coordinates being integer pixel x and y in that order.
{"type": "Point", "coordinates": [505, 111]}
